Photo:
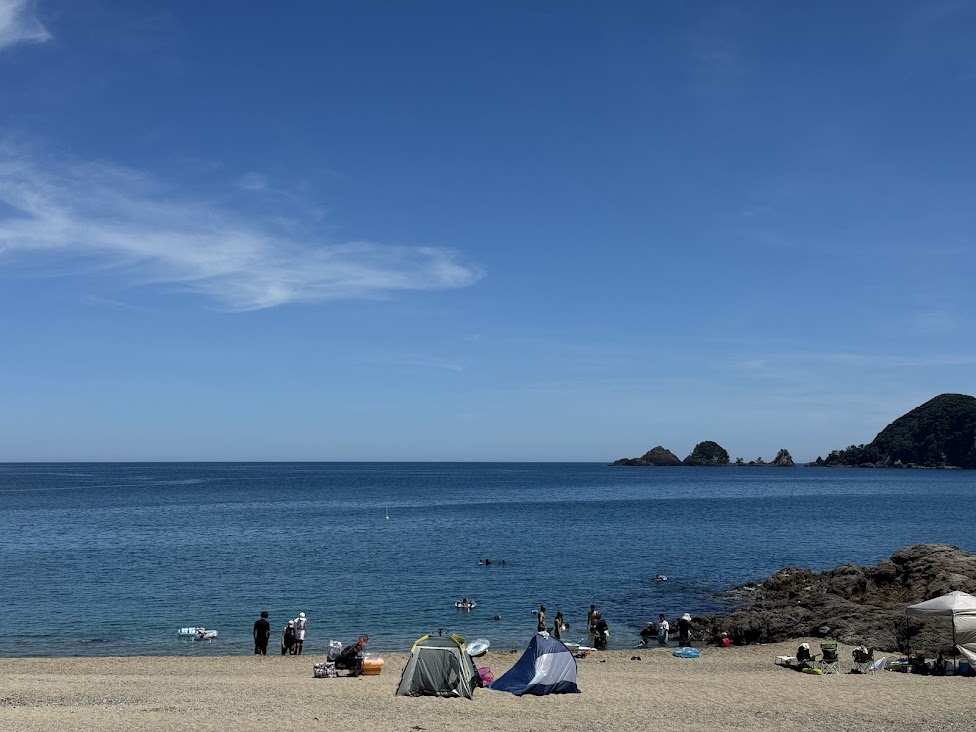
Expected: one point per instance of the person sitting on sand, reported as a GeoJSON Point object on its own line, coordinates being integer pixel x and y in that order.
{"type": "Point", "coordinates": [804, 659]}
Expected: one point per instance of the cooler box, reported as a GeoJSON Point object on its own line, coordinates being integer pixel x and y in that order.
{"type": "Point", "coordinates": [372, 666]}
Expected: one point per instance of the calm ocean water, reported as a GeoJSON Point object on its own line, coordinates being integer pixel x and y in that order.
{"type": "Point", "coordinates": [111, 559]}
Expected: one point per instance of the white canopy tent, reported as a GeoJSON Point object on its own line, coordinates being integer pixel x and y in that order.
{"type": "Point", "coordinates": [961, 607]}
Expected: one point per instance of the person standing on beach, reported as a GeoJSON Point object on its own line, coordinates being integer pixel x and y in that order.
{"type": "Point", "coordinates": [591, 619]}
{"type": "Point", "coordinates": [541, 625]}
{"type": "Point", "coordinates": [300, 625]}
{"type": "Point", "coordinates": [684, 631]}
{"type": "Point", "coordinates": [288, 639]}
{"type": "Point", "coordinates": [262, 633]}
{"type": "Point", "coordinates": [662, 629]}
{"type": "Point", "coordinates": [601, 632]}
{"type": "Point", "coordinates": [557, 628]}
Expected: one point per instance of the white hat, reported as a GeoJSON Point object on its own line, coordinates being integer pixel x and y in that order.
{"type": "Point", "coordinates": [291, 622]}
{"type": "Point", "coordinates": [686, 616]}
{"type": "Point", "coordinates": [301, 615]}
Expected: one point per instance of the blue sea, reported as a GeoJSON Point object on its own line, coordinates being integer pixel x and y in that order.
{"type": "Point", "coordinates": [112, 559]}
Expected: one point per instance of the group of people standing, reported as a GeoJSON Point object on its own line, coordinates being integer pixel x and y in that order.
{"type": "Point", "coordinates": [662, 629]}
{"type": "Point", "coordinates": [292, 635]}
{"type": "Point", "coordinates": [596, 625]}
{"type": "Point", "coordinates": [559, 624]}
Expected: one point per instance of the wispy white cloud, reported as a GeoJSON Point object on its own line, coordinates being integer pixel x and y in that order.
{"type": "Point", "coordinates": [68, 211]}
{"type": "Point", "coordinates": [18, 24]}
{"type": "Point", "coordinates": [253, 182]}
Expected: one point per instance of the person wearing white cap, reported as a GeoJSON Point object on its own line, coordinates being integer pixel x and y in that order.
{"type": "Point", "coordinates": [684, 631]}
{"type": "Point", "coordinates": [300, 625]}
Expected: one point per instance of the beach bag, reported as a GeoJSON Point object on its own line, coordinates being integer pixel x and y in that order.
{"type": "Point", "coordinates": [325, 670]}
{"type": "Point", "coordinates": [486, 675]}
{"type": "Point", "coordinates": [335, 649]}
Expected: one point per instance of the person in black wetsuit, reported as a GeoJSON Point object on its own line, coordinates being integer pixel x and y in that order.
{"type": "Point", "coordinates": [601, 631]}
{"type": "Point", "coordinates": [288, 639]}
{"type": "Point", "coordinates": [262, 632]}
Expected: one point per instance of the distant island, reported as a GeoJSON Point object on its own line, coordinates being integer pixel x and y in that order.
{"type": "Point", "coordinates": [707, 454]}
{"type": "Point", "coordinates": [938, 434]}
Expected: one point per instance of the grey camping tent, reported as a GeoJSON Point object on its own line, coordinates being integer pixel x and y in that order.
{"type": "Point", "coordinates": [439, 667]}
{"type": "Point", "coordinates": [961, 607]}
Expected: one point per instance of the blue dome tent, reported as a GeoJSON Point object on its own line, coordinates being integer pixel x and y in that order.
{"type": "Point", "coordinates": [546, 667]}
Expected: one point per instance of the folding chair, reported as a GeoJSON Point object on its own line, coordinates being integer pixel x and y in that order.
{"type": "Point", "coordinates": [863, 658]}
{"type": "Point", "coordinates": [828, 662]}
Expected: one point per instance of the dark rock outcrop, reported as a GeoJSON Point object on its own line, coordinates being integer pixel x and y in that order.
{"type": "Point", "coordinates": [658, 456]}
{"type": "Point", "coordinates": [854, 604]}
{"type": "Point", "coordinates": [783, 459]}
{"type": "Point", "coordinates": [938, 434]}
{"type": "Point", "coordinates": [707, 453]}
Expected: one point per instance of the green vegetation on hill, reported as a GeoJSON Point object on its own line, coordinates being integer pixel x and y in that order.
{"type": "Point", "coordinates": [707, 453]}
{"type": "Point", "coordinates": [938, 434]}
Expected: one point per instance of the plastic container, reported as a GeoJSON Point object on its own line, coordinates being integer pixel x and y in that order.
{"type": "Point", "coordinates": [964, 668]}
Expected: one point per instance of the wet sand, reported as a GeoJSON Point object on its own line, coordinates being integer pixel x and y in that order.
{"type": "Point", "coordinates": [725, 689]}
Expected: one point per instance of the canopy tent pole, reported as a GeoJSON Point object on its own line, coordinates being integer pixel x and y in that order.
{"type": "Point", "coordinates": [955, 670]}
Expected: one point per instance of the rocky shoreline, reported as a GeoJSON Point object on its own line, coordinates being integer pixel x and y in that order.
{"type": "Point", "coordinates": [852, 604]}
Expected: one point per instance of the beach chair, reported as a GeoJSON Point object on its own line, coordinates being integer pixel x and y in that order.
{"type": "Point", "coordinates": [828, 662]}
{"type": "Point", "coordinates": [863, 658]}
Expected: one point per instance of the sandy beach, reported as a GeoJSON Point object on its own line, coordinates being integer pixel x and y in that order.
{"type": "Point", "coordinates": [725, 689]}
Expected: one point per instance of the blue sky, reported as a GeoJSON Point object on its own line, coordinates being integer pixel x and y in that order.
{"type": "Point", "coordinates": [468, 230]}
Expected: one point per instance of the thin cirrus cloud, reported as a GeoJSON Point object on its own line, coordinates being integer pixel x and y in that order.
{"type": "Point", "coordinates": [19, 25]}
{"type": "Point", "coordinates": [118, 218]}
